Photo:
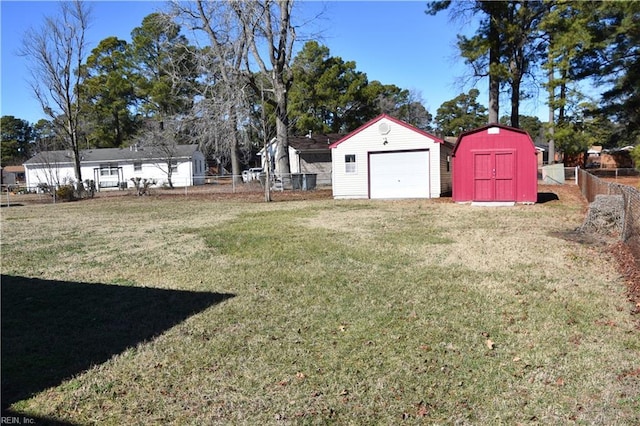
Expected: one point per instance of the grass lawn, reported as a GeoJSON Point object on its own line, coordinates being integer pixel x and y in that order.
{"type": "Point", "coordinates": [201, 311]}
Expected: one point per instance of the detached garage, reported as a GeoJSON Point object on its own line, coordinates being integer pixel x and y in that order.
{"type": "Point", "coordinates": [388, 158]}
{"type": "Point", "coordinates": [495, 164]}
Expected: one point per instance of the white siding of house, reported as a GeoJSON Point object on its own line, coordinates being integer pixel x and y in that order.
{"type": "Point", "coordinates": [37, 174]}
{"type": "Point", "coordinates": [369, 139]}
{"type": "Point", "coordinates": [294, 159]}
{"type": "Point", "coordinates": [189, 172]}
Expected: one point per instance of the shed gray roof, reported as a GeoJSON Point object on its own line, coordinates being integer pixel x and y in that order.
{"type": "Point", "coordinates": [114, 154]}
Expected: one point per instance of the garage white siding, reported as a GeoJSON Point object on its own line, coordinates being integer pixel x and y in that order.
{"type": "Point", "coordinates": [383, 148]}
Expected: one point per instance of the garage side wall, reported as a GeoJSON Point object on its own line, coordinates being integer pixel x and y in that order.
{"type": "Point", "coordinates": [446, 167]}
{"type": "Point", "coordinates": [351, 178]}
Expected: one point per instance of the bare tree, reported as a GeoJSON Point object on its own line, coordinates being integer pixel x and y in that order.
{"type": "Point", "coordinates": [55, 53]}
{"type": "Point", "coordinates": [222, 105]}
{"type": "Point", "coordinates": [160, 144]}
{"type": "Point", "coordinates": [267, 27]}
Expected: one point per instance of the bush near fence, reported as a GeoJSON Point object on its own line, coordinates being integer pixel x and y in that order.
{"type": "Point", "coordinates": [591, 185]}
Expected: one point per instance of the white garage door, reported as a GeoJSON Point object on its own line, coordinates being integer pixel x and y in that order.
{"type": "Point", "coordinates": [399, 174]}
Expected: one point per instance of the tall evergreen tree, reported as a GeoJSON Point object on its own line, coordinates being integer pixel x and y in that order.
{"type": "Point", "coordinates": [460, 114]}
{"type": "Point", "coordinates": [165, 67]}
{"type": "Point", "coordinates": [503, 48]}
{"type": "Point", "coordinates": [327, 93]}
{"type": "Point", "coordinates": [17, 137]}
{"type": "Point", "coordinates": [109, 94]}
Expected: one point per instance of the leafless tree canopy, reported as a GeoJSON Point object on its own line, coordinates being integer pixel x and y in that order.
{"type": "Point", "coordinates": [55, 53]}
{"type": "Point", "coordinates": [237, 36]}
{"type": "Point", "coordinates": [221, 112]}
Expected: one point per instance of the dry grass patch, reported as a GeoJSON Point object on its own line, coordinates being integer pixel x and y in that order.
{"type": "Point", "coordinates": [360, 313]}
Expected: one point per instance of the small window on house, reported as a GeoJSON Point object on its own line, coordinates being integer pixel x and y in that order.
{"type": "Point", "coordinates": [350, 163]}
{"type": "Point", "coordinates": [174, 166]}
{"type": "Point", "coordinates": [108, 170]}
{"type": "Point", "coordinates": [137, 166]}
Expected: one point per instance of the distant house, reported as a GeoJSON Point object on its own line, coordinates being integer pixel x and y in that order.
{"type": "Point", "coordinates": [308, 154]}
{"type": "Point", "coordinates": [613, 158]}
{"type": "Point", "coordinates": [593, 157]}
{"type": "Point", "coordinates": [495, 164]}
{"type": "Point", "coordinates": [13, 175]}
{"type": "Point", "coordinates": [388, 158]}
{"type": "Point", "coordinates": [113, 168]}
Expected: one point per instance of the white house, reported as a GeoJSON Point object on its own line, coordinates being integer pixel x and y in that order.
{"type": "Point", "coordinates": [309, 154]}
{"type": "Point", "coordinates": [115, 167]}
{"type": "Point", "coordinates": [388, 158]}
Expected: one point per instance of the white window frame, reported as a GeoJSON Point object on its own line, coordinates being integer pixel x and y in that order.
{"type": "Point", "coordinates": [109, 169]}
{"type": "Point", "coordinates": [137, 166]}
{"type": "Point", "coordinates": [350, 164]}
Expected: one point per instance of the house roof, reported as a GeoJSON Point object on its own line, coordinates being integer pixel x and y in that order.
{"type": "Point", "coordinates": [13, 169]}
{"type": "Point", "coordinates": [618, 150]}
{"type": "Point", "coordinates": [112, 154]}
{"type": "Point", "coordinates": [388, 117]}
{"type": "Point", "coordinates": [595, 149]}
{"type": "Point", "coordinates": [314, 143]}
{"type": "Point", "coordinates": [489, 126]}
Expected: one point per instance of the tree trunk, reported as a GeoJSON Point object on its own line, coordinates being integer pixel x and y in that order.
{"type": "Point", "coordinates": [494, 79]}
{"type": "Point", "coordinates": [282, 130]}
{"type": "Point", "coordinates": [515, 100]}
{"type": "Point", "coordinates": [563, 97]}
{"type": "Point", "coordinates": [234, 150]}
{"type": "Point", "coordinates": [551, 155]}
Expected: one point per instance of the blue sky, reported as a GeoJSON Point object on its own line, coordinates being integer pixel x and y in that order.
{"type": "Point", "coordinates": [392, 42]}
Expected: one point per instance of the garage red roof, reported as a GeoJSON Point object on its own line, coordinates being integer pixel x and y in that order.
{"type": "Point", "coordinates": [388, 117]}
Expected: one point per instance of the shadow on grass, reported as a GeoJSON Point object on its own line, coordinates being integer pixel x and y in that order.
{"type": "Point", "coordinates": [53, 330]}
{"type": "Point", "coordinates": [545, 197]}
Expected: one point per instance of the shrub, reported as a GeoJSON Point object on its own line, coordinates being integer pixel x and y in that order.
{"type": "Point", "coordinates": [142, 185]}
{"type": "Point", "coordinates": [66, 192]}
{"type": "Point", "coordinates": [635, 155]}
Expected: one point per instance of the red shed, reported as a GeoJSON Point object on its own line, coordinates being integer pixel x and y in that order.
{"type": "Point", "coordinates": [495, 163]}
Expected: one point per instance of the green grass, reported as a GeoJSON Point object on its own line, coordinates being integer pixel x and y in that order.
{"type": "Point", "coordinates": [343, 312]}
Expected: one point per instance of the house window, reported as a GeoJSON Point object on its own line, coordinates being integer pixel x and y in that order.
{"type": "Point", "coordinates": [350, 163]}
{"type": "Point", "coordinates": [174, 166]}
{"type": "Point", "coordinates": [137, 166]}
{"type": "Point", "coordinates": [108, 170]}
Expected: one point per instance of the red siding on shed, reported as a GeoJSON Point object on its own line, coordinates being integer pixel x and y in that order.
{"type": "Point", "coordinates": [495, 163]}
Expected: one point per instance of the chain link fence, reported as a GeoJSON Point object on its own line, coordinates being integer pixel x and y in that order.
{"type": "Point", "coordinates": [591, 186]}
{"type": "Point", "coordinates": [18, 194]}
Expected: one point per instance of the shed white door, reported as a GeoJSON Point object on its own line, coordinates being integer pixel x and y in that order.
{"type": "Point", "coordinates": [402, 174]}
